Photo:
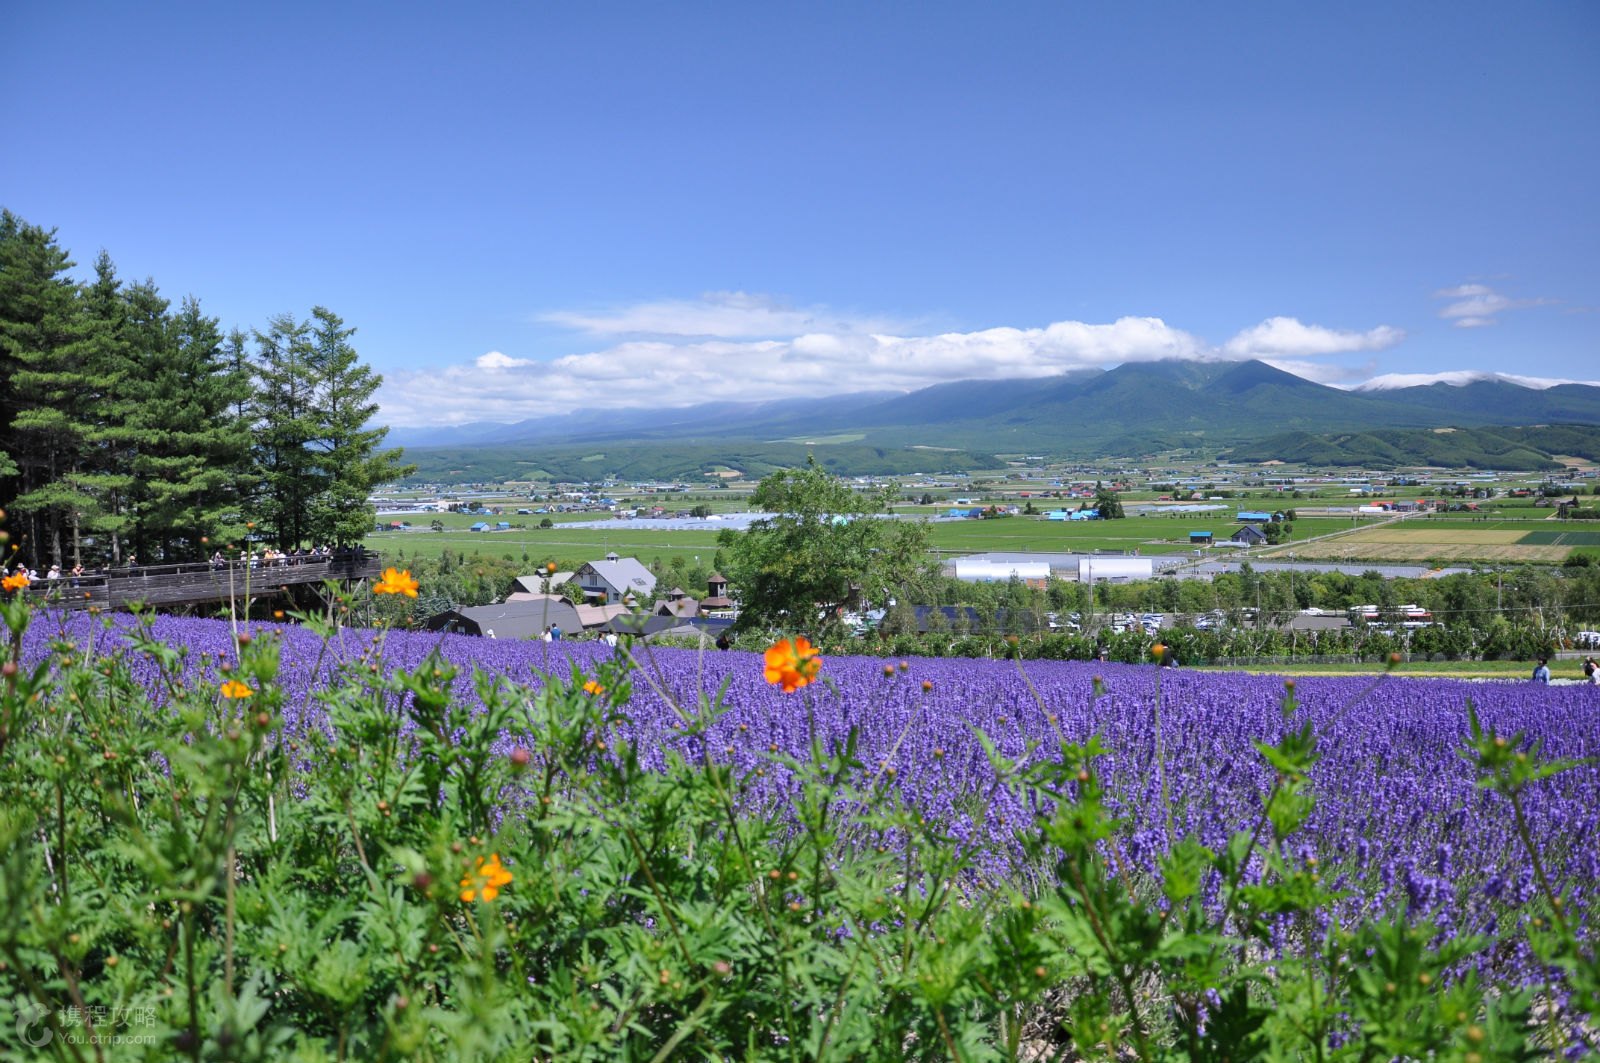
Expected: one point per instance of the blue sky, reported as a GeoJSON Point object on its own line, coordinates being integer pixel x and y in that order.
{"type": "Point", "coordinates": [533, 208]}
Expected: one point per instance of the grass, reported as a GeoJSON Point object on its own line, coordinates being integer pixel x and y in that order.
{"type": "Point", "coordinates": [574, 543]}
{"type": "Point", "coordinates": [1149, 535]}
{"type": "Point", "coordinates": [1416, 669]}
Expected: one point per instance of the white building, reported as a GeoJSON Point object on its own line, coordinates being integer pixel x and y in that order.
{"type": "Point", "coordinates": [1115, 569]}
{"type": "Point", "coordinates": [980, 570]}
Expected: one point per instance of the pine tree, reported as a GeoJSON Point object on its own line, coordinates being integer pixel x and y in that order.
{"type": "Point", "coordinates": [347, 449]}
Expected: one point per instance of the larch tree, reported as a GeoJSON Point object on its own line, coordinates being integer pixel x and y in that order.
{"type": "Point", "coordinates": [285, 426]}
{"type": "Point", "coordinates": [192, 463]}
{"type": "Point", "coordinates": [107, 476]}
{"type": "Point", "coordinates": [42, 383]}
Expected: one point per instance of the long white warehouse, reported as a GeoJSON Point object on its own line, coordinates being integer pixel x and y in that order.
{"type": "Point", "coordinates": [974, 570]}
{"type": "Point", "coordinates": [1115, 569]}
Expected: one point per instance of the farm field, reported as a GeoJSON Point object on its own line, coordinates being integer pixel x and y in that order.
{"type": "Point", "coordinates": [1446, 539]}
{"type": "Point", "coordinates": [1390, 777]}
{"type": "Point", "coordinates": [512, 794]}
{"type": "Point", "coordinates": [566, 543]}
{"type": "Point", "coordinates": [1150, 535]}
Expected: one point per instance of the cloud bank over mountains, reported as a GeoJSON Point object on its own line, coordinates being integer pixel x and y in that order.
{"type": "Point", "coordinates": [739, 346]}
{"type": "Point", "coordinates": [1460, 378]}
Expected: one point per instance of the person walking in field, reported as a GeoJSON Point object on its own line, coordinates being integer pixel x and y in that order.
{"type": "Point", "coordinates": [1541, 671]}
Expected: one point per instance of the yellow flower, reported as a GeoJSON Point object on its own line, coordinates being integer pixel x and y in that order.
{"type": "Point", "coordinates": [593, 687]}
{"type": "Point", "coordinates": [1158, 651]}
{"type": "Point", "coordinates": [792, 663]}
{"type": "Point", "coordinates": [14, 583]}
{"type": "Point", "coordinates": [235, 689]}
{"type": "Point", "coordinates": [486, 881]}
{"type": "Point", "coordinates": [395, 581]}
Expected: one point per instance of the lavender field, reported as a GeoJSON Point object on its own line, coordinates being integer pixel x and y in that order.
{"type": "Point", "coordinates": [1398, 818]}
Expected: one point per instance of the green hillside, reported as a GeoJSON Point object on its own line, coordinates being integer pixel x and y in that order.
{"type": "Point", "coordinates": [1476, 448]}
{"type": "Point", "coordinates": [691, 460]}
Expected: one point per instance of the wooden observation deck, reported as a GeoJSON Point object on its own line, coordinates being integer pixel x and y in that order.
{"type": "Point", "coordinates": [202, 583]}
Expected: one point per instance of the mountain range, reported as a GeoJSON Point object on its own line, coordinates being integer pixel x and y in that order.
{"type": "Point", "coordinates": [1133, 410]}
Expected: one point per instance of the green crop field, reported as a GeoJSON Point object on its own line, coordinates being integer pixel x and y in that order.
{"type": "Point", "coordinates": [1559, 537]}
{"type": "Point", "coordinates": [566, 544]}
{"type": "Point", "coordinates": [1148, 535]}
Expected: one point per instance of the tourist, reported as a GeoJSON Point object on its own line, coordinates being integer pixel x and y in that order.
{"type": "Point", "coordinates": [54, 573]}
{"type": "Point", "coordinates": [546, 637]}
{"type": "Point", "coordinates": [555, 632]}
{"type": "Point", "coordinates": [1591, 671]}
{"type": "Point", "coordinates": [1541, 671]}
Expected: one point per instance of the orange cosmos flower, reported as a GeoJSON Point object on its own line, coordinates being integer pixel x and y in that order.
{"type": "Point", "coordinates": [485, 882]}
{"type": "Point", "coordinates": [14, 583]}
{"type": "Point", "coordinates": [235, 689]}
{"type": "Point", "coordinates": [593, 687]}
{"type": "Point", "coordinates": [396, 582]}
{"type": "Point", "coordinates": [792, 663]}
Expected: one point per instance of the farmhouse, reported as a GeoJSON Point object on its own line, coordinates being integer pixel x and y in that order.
{"type": "Point", "coordinates": [1200, 538]}
{"type": "Point", "coordinates": [1249, 535]}
{"type": "Point", "coordinates": [538, 583]}
{"type": "Point", "coordinates": [615, 578]}
{"type": "Point", "coordinates": [1251, 516]}
{"type": "Point", "coordinates": [510, 620]}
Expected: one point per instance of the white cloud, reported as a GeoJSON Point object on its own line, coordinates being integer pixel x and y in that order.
{"type": "Point", "coordinates": [723, 315]}
{"type": "Point", "coordinates": [666, 371]}
{"type": "Point", "coordinates": [1289, 337]}
{"type": "Point", "coordinates": [1460, 377]}
{"type": "Point", "coordinates": [496, 360]}
{"type": "Point", "coordinates": [738, 347]}
{"type": "Point", "coordinates": [1475, 305]}
{"type": "Point", "coordinates": [1332, 374]}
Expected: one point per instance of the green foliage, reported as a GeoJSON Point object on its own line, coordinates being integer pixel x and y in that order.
{"type": "Point", "coordinates": [128, 428]}
{"type": "Point", "coordinates": [1107, 504]}
{"type": "Point", "coordinates": [823, 550]}
{"type": "Point", "coordinates": [258, 897]}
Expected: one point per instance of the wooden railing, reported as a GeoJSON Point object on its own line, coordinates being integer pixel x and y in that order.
{"type": "Point", "coordinates": [201, 583]}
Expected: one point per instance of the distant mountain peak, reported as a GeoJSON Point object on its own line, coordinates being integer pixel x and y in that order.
{"type": "Point", "coordinates": [1462, 378]}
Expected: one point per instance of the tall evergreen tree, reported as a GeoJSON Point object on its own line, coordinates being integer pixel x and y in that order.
{"type": "Point", "coordinates": [285, 426]}
{"type": "Point", "coordinates": [192, 447]}
{"type": "Point", "coordinates": [107, 475]}
{"type": "Point", "coordinates": [42, 384]}
{"type": "Point", "coordinates": [347, 448]}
